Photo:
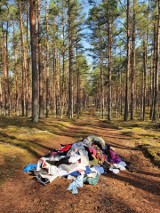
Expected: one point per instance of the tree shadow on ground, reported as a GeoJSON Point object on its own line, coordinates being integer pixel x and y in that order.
{"type": "Point", "coordinates": [119, 146]}
{"type": "Point", "coordinates": [10, 167]}
{"type": "Point", "coordinates": [148, 173]}
{"type": "Point", "coordinates": [24, 144]}
{"type": "Point", "coordinates": [147, 154]}
{"type": "Point", "coordinates": [142, 183]}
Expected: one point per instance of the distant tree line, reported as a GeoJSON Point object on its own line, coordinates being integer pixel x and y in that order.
{"type": "Point", "coordinates": [44, 67]}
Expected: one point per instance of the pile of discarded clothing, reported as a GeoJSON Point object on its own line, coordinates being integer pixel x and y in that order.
{"type": "Point", "coordinates": [83, 162]}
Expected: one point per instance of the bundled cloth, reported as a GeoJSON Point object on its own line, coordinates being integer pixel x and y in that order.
{"type": "Point", "coordinates": [83, 162]}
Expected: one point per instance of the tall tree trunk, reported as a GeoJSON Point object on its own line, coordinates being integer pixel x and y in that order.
{"type": "Point", "coordinates": [27, 74]}
{"type": "Point", "coordinates": [144, 79]}
{"type": "Point", "coordinates": [133, 70]}
{"type": "Point", "coordinates": [151, 85]}
{"type": "Point", "coordinates": [101, 73]}
{"type": "Point", "coordinates": [54, 77]}
{"type": "Point", "coordinates": [70, 104]}
{"type": "Point", "coordinates": [16, 73]}
{"type": "Point", "coordinates": [4, 68]}
{"type": "Point", "coordinates": [57, 87]}
{"type": "Point", "coordinates": [7, 61]}
{"type": "Point", "coordinates": [23, 56]}
{"type": "Point", "coordinates": [47, 64]}
{"type": "Point", "coordinates": [120, 86]}
{"type": "Point", "coordinates": [40, 67]}
{"type": "Point", "coordinates": [153, 72]}
{"type": "Point", "coordinates": [35, 105]}
{"type": "Point", "coordinates": [1, 78]}
{"type": "Point", "coordinates": [63, 65]}
{"type": "Point", "coordinates": [78, 86]}
{"type": "Point", "coordinates": [155, 108]}
{"type": "Point", "coordinates": [109, 69]}
{"type": "Point", "coordinates": [0, 95]}
{"type": "Point", "coordinates": [126, 110]}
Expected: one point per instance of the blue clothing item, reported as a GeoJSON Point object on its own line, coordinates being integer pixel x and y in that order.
{"type": "Point", "coordinates": [30, 167]}
{"type": "Point", "coordinates": [78, 182]}
{"type": "Point", "coordinates": [76, 173]}
{"type": "Point", "coordinates": [88, 170]}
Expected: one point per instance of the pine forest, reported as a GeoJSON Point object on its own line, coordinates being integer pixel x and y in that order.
{"type": "Point", "coordinates": [68, 57]}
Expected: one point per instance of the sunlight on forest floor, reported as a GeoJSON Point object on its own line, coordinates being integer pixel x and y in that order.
{"type": "Point", "coordinates": [22, 142]}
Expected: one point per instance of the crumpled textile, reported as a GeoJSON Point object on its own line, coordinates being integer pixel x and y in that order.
{"type": "Point", "coordinates": [92, 179]}
{"type": "Point", "coordinates": [77, 183]}
{"type": "Point", "coordinates": [97, 140]}
{"type": "Point", "coordinates": [121, 165]}
{"type": "Point", "coordinates": [74, 158]}
{"type": "Point", "coordinates": [99, 169]}
{"type": "Point", "coordinates": [30, 167]}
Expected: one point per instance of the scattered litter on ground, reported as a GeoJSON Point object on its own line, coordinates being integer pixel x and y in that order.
{"type": "Point", "coordinates": [81, 162]}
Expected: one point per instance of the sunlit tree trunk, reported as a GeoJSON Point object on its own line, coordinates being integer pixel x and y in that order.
{"type": "Point", "coordinates": [57, 86]}
{"type": "Point", "coordinates": [54, 77]}
{"type": "Point", "coordinates": [133, 70]}
{"type": "Point", "coordinates": [0, 96]}
{"type": "Point", "coordinates": [47, 63]}
{"type": "Point", "coordinates": [151, 84]}
{"type": "Point", "coordinates": [153, 72]}
{"type": "Point", "coordinates": [78, 86]}
{"type": "Point", "coordinates": [35, 105]}
{"type": "Point", "coordinates": [4, 69]}
{"type": "Point", "coordinates": [63, 65]}
{"type": "Point", "coordinates": [157, 50]}
{"type": "Point", "coordinates": [144, 80]}
{"type": "Point", "coordinates": [101, 73]}
{"type": "Point", "coordinates": [109, 70]}
{"type": "Point", "coordinates": [70, 101]}
{"type": "Point", "coordinates": [126, 110]}
{"type": "Point", "coordinates": [15, 73]}
{"type": "Point", "coordinates": [23, 56]}
{"type": "Point", "coordinates": [27, 74]}
{"type": "Point", "coordinates": [40, 66]}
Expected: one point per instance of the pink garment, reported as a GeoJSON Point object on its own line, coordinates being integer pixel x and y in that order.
{"type": "Point", "coordinates": [92, 150]}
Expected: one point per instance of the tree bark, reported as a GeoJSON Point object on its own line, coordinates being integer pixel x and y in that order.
{"type": "Point", "coordinates": [23, 56]}
{"type": "Point", "coordinates": [4, 68]}
{"type": "Point", "coordinates": [40, 66]}
{"type": "Point", "coordinates": [126, 110]}
{"type": "Point", "coordinates": [157, 66]}
{"type": "Point", "coordinates": [133, 70]}
{"type": "Point", "coordinates": [35, 105]}
{"type": "Point", "coordinates": [63, 65]}
{"type": "Point", "coordinates": [16, 73]}
{"type": "Point", "coordinates": [70, 104]}
{"type": "Point", "coordinates": [47, 65]}
{"type": "Point", "coordinates": [144, 79]}
{"type": "Point", "coordinates": [109, 69]}
{"type": "Point", "coordinates": [101, 73]}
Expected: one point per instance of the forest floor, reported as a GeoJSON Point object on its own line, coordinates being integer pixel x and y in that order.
{"type": "Point", "coordinates": [133, 190]}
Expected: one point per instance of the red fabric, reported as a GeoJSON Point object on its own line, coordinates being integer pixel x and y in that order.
{"type": "Point", "coordinates": [65, 148]}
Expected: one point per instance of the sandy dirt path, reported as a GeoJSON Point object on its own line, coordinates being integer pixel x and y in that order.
{"type": "Point", "coordinates": [137, 190]}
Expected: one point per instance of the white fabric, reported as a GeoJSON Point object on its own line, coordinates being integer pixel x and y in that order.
{"type": "Point", "coordinates": [120, 165]}
{"type": "Point", "coordinates": [115, 171]}
{"type": "Point", "coordinates": [98, 169]}
{"type": "Point", "coordinates": [74, 158]}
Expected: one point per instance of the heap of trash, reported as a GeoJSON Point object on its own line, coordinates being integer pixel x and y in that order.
{"type": "Point", "coordinates": [82, 162]}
